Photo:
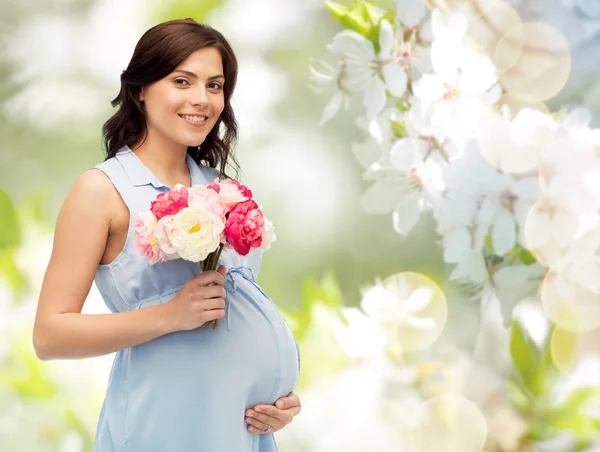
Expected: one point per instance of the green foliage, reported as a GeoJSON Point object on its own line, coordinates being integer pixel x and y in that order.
{"type": "Point", "coordinates": [530, 391]}
{"type": "Point", "coordinates": [321, 354]}
{"type": "Point", "coordinates": [10, 240]}
{"type": "Point", "coordinates": [23, 373]}
{"type": "Point", "coordinates": [517, 253]}
{"type": "Point", "coordinates": [398, 129]}
{"type": "Point", "coordinates": [182, 9]}
{"type": "Point", "coordinates": [326, 293]}
{"type": "Point", "coordinates": [12, 274]}
{"type": "Point", "coordinates": [402, 105]}
{"type": "Point", "coordinates": [571, 415]}
{"type": "Point", "coordinates": [534, 366]}
{"type": "Point", "coordinates": [10, 232]}
{"type": "Point", "coordinates": [363, 17]}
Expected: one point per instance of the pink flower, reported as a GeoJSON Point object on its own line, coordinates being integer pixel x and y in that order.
{"type": "Point", "coordinates": [201, 196]}
{"type": "Point", "coordinates": [245, 227]}
{"type": "Point", "coordinates": [231, 191]}
{"type": "Point", "coordinates": [162, 232]}
{"type": "Point", "coordinates": [144, 238]}
{"type": "Point", "coordinates": [170, 203]}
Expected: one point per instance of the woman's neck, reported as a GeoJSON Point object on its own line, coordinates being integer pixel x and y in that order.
{"type": "Point", "coordinates": [167, 160]}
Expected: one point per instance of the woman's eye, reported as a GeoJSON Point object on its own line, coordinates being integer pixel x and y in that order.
{"type": "Point", "coordinates": [215, 86]}
{"type": "Point", "coordinates": [180, 80]}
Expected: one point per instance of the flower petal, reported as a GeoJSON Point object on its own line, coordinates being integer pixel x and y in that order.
{"type": "Point", "coordinates": [406, 215]}
{"type": "Point", "coordinates": [422, 323]}
{"type": "Point", "coordinates": [419, 299]}
{"type": "Point", "coordinates": [367, 152]}
{"type": "Point", "coordinates": [504, 234]}
{"type": "Point", "coordinates": [429, 88]}
{"type": "Point", "coordinates": [386, 39]}
{"type": "Point", "coordinates": [455, 243]}
{"type": "Point", "coordinates": [354, 46]}
{"type": "Point", "coordinates": [403, 153]}
{"type": "Point", "coordinates": [444, 61]}
{"type": "Point", "coordinates": [332, 108]}
{"type": "Point", "coordinates": [381, 197]}
{"type": "Point", "coordinates": [395, 79]}
{"type": "Point", "coordinates": [374, 97]}
{"type": "Point", "coordinates": [410, 12]}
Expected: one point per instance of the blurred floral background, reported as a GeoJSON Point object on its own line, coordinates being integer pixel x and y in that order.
{"type": "Point", "coordinates": [406, 344]}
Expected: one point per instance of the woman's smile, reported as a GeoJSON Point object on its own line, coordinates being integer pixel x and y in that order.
{"type": "Point", "coordinates": [195, 120]}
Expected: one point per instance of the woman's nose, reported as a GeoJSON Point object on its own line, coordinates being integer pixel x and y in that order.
{"type": "Point", "coordinates": [199, 97]}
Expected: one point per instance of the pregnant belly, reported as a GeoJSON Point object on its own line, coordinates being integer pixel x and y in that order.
{"type": "Point", "coordinates": [191, 388]}
{"type": "Point", "coordinates": [212, 376]}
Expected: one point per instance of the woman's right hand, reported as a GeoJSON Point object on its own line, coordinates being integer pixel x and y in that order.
{"type": "Point", "coordinates": [198, 302]}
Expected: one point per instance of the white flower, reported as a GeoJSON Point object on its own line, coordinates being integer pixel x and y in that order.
{"type": "Point", "coordinates": [461, 90]}
{"type": "Point", "coordinates": [367, 68]}
{"type": "Point", "coordinates": [410, 13]}
{"type": "Point", "coordinates": [362, 338]}
{"type": "Point", "coordinates": [515, 145]}
{"type": "Point", "coordinates": [196, 233]}
{"type": "Point", "coordinates": [398, 306]}
{"type": "Point", "coordinates": [413, 32]}
{"type": "Point", "coordinates": [327, 77]}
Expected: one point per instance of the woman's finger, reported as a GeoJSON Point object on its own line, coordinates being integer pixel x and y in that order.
{"type": "Point", "coordinates": [257, 426]}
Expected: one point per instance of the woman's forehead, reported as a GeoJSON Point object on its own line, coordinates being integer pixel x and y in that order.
{"type": "Point", "coordinates": [205, 62]}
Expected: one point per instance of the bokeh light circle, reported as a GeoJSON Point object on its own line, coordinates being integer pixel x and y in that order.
{"type": "Point", "coordinates": [533, 61]}
{"type": "Point", "coordinates": [571, 306]}
{"type": "Point", "coordinates": [413, 336]}
{"type": "Point", "coordinates": [451, 423]}
{"type": "Point", "coordinates": [549, 230]}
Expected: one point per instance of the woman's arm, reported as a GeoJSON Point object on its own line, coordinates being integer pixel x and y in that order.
{"type": "Point", "coordinates": [80, 237]}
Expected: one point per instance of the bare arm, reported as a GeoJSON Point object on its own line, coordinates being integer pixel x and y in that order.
{"type": "Point", "coordinates": [61, 331]}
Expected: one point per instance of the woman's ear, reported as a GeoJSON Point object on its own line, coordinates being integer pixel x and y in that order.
{"type": "Point", "coordinates": [141, 94]}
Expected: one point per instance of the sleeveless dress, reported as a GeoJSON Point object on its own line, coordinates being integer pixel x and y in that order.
{"type": "Point", "coordinates": [188, 391]}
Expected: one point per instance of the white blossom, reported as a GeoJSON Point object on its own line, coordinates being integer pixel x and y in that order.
{"type": "Point", "coordinates": [375, 74]}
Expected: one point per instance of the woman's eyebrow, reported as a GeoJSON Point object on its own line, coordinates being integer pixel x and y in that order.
{"type": "Point", "coordinates": [191, 74]}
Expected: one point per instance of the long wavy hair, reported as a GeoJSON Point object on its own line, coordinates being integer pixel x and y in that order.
{"type": "Point", "coordinates": [158, 52]}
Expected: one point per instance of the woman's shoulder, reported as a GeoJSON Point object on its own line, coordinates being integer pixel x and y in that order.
{"type": "Point", "coordinates": [93, 188]}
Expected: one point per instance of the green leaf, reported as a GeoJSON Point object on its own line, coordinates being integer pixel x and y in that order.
{"type": "Point", "coordinates": [339, 12]}
{"type": "Point", "coordinates": [402, 105]}
{"type": "Point", "coordinates": [10, 232]}
{"type": "Point", "coordinates": [326, 292]}
{"type": "Point", "coordinates": [371, 12]}
{"type": "Point", "coordinates": [399, 130]}
{"type": "Point", "coordinates": [575, 401]}
{"type": "Point", "coordinates": [33, 207]}
{"type": "Point", "coordinates": [24, 374]}
{"type": "Point", "coordinates": [530, 362]}
{"type": "Point", "coordinates": [525, 256]}
{"type": "Point", "coordinates": [12, 274]}
{"type": "Point", "coordinates": [570, 414]}
{"type": "Point", "coordinates": [488, 243]}
{"type": "Point", "coordinates": [353, 19]}
{"type": "Point", "coordinates": [519, 397]}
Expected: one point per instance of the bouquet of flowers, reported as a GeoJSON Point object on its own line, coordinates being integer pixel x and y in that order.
{"type": "Point", "coordinates": [197, 223]}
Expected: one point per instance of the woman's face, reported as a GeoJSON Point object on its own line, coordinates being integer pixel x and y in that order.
{"type": "Point", "coordinates": [185, 105]}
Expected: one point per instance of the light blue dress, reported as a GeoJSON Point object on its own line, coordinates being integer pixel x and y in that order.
{"type": "Point", "coordinates": [188, 391]}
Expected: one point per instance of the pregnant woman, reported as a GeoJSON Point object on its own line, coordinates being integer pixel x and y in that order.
{"type": "Point", "coordinates": [176, 385]}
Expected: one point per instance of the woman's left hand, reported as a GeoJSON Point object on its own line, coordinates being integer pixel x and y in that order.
{"type": "Point", "coordinates": [265, 419]}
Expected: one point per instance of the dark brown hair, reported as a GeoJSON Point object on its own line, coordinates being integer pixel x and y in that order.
{"type": "Point", "coordinates": [158, 52]}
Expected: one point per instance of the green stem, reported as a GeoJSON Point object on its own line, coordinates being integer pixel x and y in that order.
{"type": "Point", "coordinates": [210, 263]}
